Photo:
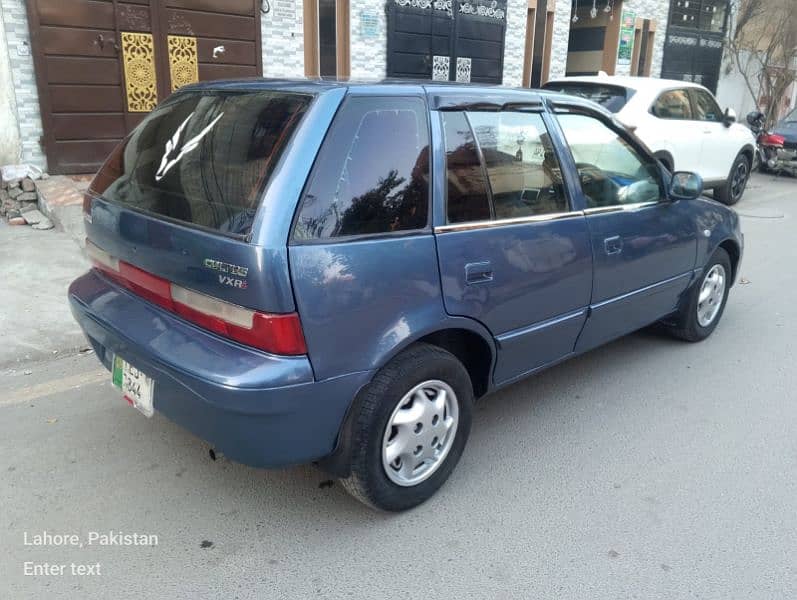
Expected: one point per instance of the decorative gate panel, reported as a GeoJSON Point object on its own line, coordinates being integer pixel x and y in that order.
{"type": "Point", "coordinates": [422, 34]}
{"type": "Point", "coordinates": [138, 56]}
{"type": "Point", "coordinates": [182, 60]}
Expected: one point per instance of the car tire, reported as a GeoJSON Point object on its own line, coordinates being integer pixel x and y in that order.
{"type": "Point", "coordinates": [408, 401]}
{"type": "Point", "coordinates": [733, 189]}
{"type": "Point", "coordinates": [702, 308]}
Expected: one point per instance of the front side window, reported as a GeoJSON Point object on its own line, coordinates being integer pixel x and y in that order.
{"type": "Point", "coordinates": [372, 173]}
{"type": "Point", "coordinates": [673, 104]}
{"type": "Point", "coordinates": [524, 174]}
{"type": "Point", "coordinates": [706, 108]}
{"type": "Point", "coordinates": [611, 171]}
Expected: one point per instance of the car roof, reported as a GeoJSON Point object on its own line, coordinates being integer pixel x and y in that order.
{"type": "Point", "coordinates": [647, 84]}
{"type": "Point", "coordinates": [441, 94]}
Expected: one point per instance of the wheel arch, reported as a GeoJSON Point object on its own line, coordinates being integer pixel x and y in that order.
{"type": "Point", "coordinates": [749, 152]}
{"type": "Point", "coordinates": [734, 253]}
{"type": "Point", "coordinates": [467, 340]}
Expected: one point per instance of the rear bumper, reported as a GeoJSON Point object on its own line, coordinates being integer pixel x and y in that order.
{"type": "Point", "coordinates": [258, 409]}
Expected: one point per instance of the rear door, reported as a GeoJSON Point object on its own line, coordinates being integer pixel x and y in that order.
{"type": "Point", "coordinates": [718, 148]}
{"type": "Point", "coordinates": [513, 252]}
{"type": "Point", "coordinates": [675, 129]}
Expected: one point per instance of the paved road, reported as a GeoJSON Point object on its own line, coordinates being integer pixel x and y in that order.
{"type": "Point", "coordinates": [646, 469]}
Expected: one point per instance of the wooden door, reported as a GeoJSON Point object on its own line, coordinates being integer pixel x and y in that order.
{"type": "Point", "coordinates": [102, 65]}
{"type": "Point", "coordinates": [209, 39]}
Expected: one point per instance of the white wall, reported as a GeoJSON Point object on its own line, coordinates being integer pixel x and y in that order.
{"type": "Point", "coordinates": [733, 92]}
{"type": "Point", "coordinates": [9, 128]}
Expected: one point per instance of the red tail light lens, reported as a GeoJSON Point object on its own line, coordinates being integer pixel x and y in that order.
{"type": "Point", "coordinates": [773, 139]}
{"type": "Point", "coordinates": [274, 333]}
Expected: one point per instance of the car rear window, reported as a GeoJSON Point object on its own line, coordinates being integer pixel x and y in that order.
{"type": "Point", "coordinates": [203, 158]}
{"type": "Point", "coordinates": [612, 97]}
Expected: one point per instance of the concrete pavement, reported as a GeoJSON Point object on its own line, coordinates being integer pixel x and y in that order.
{"type": "Point", "coordinates": [36, 268]}
{"type": "Point", "coordinates": [649, 468]}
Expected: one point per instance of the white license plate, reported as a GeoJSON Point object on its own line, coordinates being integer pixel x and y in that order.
{"type": "Point", "coordinates": [137, 387]}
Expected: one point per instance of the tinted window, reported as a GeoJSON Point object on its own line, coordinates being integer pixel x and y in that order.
{"type": "Point", "coordinates": [467, 198]}
{"type": "Point", "coordinates": [706, 108]}
{"type": "Point", "coordinates": [524, 174]}
{"type": "Point", "coordinates": [203, 157]}
{"type": "Point", "coordinates": [611, 97]}
{"type": "Point", "coordinates": [611, 171]}
{"type": "Point", "coordinates": [372, 173]}
{"type": "Point", "coordinates": [673, 105]}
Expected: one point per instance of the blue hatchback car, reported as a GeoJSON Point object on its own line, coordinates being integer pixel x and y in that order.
{"type": "Point", "coordinates": [302, 271]}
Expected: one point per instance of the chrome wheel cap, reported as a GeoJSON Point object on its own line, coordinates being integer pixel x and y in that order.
{"type": "Point", "coordinates": [712, 291]}
{"type": "Point", "coordinates": [420, 433]}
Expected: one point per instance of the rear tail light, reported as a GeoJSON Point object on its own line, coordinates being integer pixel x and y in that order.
{"type": "Point", "coordinates": [275, 333]}
{"type": "Point", "coordinates": [773, 139]}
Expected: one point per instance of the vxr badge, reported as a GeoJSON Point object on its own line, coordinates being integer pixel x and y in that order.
{"type": "Point", "coordinates": [233, 270]}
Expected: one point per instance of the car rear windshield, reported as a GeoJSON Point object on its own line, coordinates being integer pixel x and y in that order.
{"type": "Point", "coordinates": [612, 97]}
{"type": "Point", "coordinates": [203, 158]}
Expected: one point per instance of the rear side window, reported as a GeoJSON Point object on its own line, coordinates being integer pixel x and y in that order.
{"type": "Point", "coordinates": [467, 197]}
{"type": "Point", "coordinates": [673, 105]}
{"type": "Point", "coordinates": [372, 173]}
{"type": "Point", "coordinates": [203, 158]}
{"type": "Point", "coordinates": [524, 174]}
{"type": "Point", "coordinates": [612, 97]}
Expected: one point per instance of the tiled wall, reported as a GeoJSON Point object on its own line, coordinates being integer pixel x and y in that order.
{"type": "Point", "coordinates": [561, 35]}
{"type": "Point", "coordinates": [515, 44]}
{"type": "Point", "coordinates": [368, 43]}
{"type": "Point", "coordinates": [658, 12]}
{"type": "Point", "coordinates": [283, 39]}
{"type": "Point", "coordinates": [15, 21]}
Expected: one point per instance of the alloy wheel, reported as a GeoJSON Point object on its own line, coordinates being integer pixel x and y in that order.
{"type": "Point", "coordinates": [739, 179]}
{"type": "Point", "coordinates": [712, 292]}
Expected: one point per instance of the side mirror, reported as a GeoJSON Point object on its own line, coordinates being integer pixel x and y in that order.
{"type": "Point", "coordinates": [729, 117]}
{"type": "Point", "coordinates": [685, 186]}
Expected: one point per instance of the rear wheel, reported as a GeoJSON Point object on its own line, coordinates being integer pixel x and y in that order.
{"type": "Point", "coordinates": [702, 310]}
{"type": "Point", "coordinates": [733, 189]}
{"type": "Point", "coordinates": [412, 426]}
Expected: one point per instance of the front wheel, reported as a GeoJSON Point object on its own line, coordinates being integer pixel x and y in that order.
{"type": "Point", "coordinates": [703, 308]}
{"type": "Point", "coordinates": [412, 425]}
{"type": "Point", "coordinates": [733, 189]}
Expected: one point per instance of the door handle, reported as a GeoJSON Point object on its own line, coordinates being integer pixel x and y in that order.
{"type": "Point", "coordinates": [218, 50]}
{"type": "Point", "coordinates": [613, 245]}
{"type": "Point", "coordinates": [480, 272]}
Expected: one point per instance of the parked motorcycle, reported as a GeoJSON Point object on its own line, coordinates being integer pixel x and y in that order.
{"type": "Point", "coordinates": [771, 155]}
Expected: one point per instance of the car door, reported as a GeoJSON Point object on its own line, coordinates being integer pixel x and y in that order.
{"type": "Point", "coordinates": [718, 147]}
{"type": "Point", "coordinates": [513, 253]}
{"type": "Point", "coordinates": [673, 125]}
{"type": "Point", "coordinates": [643, 245]}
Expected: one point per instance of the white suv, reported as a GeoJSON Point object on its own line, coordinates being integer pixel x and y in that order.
{"type": "Point", "coordinates": [680, 122]}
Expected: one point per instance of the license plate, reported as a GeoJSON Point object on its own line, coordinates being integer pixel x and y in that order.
{"type": "Point", "coordinates": [137, 387]}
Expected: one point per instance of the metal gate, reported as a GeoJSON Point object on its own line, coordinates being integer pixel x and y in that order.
{"type": "Point", "coordinates": [101, 65]}
{"type": "Point", "coordinates": [446, 40]}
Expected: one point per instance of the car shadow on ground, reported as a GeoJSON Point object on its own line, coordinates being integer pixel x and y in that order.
{"type": "Point", "coordinates": [529, 411]}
